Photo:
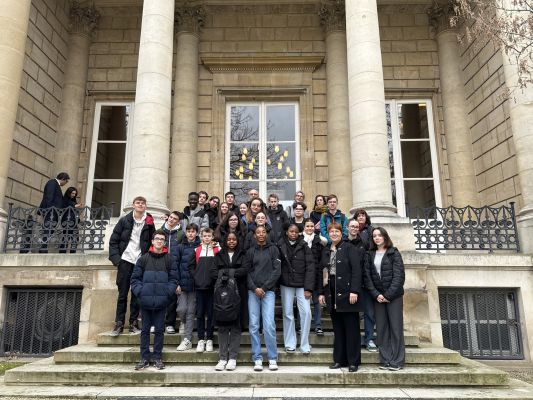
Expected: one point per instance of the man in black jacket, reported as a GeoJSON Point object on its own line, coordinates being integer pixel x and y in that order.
{"type": "Point", "coordinates": [278, 217]}
{"type": "Point", "coordinates": [130, 239]}
{"type": "Point", "coordinates": [51, 202]}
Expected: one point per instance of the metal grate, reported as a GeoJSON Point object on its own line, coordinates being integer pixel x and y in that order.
{"type": "Point", "coordinates": [40, 321]}
{"type": "Point", "coordinates": [481, 323]}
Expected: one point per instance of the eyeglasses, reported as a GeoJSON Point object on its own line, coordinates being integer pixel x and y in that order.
{"type": "Point", "coordinates": [159, 239]}
{"type": "Point", "coordinates": [299, 209]}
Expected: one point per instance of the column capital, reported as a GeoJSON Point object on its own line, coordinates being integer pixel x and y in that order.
{"type": "Point", "coordinates": [332, 15]}
{"type": "Point", "coordinates": [440, 16]}
{"type": "Point", "coordinates": [83, 19]}
{"type": "Point", "coordinates": [189, 19]}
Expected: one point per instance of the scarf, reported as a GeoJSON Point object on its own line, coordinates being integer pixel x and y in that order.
{"type": "Point", "coordinates": [308, 239]}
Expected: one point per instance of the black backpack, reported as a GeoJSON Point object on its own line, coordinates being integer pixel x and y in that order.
{"type": "Point", "coordinates": [227, 300]}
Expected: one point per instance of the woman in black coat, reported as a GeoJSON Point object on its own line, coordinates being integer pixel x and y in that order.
{"type": "Point", "coordinates": [70, 219]}
{"type": "Point", "coordinates": [384, 279]}
{"type": "Point", "coordinates": [339, 290]}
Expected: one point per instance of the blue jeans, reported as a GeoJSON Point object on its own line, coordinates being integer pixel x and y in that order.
{"type": "Point", "coordinates": [370, 320]}
{"type": "Point", "coordinates": [304, 310]}
{"type": "Point", "coordinates": [155, 318]}
{"type": "Point", "coordinates": [262, 308]}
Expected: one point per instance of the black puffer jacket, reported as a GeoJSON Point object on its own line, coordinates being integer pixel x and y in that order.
{"type": "Point", "coordinates": [298, 268]}
{"type": "Point", "coordinates": [390, 283]}
{"type": "Point", "coordinates": [122, 233]}
{"type": "Point", "coordinates": [184, 256]}
{"type": "Point", "coordinates": [279, 220]}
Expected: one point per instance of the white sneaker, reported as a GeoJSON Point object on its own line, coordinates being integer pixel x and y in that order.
{"type": "Point", "coordinates": [200, 348]}
{"type": "Point", "coordinates": [231, 365]}
{"type": "Point", "coordinates": [170, 329]}
{"type": "Point", "coordinates": [185, 345]}
{"type": "Point", "coordinates": [182, 327]}
{"type": "Point", "coordinates": [221, 365]}
{"type": "Point", "coordinates": [209, 345]}
{"type": "Point", "coordinates": [272, 365]}
{"type": "Point", "coordinates": [258, 365]}
{"type": "Point", "coordinates": [152, 329]}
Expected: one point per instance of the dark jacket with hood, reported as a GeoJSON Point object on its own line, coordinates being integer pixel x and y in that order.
{"type": "Point", "coordinates": [201, 264]}
{"type": "Point", "coordinates": [279, 220]}
{"type": "Point", "coordinates": [174, 238]}
{"type": "Point", "coordinates": [249, 240]}
{"type": "Point", "coordinates": [263, 265]}
{"type": "Point", "coordinates": [390, 283]}
{"type": "Point", "coordinates": [297, 264]}
{"type": "Point", "coordinates": [122, 234]}
{"type": "Point", "coordinates": [184, 255]}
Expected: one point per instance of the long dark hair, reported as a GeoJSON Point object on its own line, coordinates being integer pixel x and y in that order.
{"type": "Point", "coordinates": [68, 192]}
{"type": "Point", "coordinates": [362, 211]}
{"type": "Point", "coordinates": [223, 228]}
{"type": "Point", "coordinates": [224, 242]}
{"type": "Point", "coordinates": [386, 238]}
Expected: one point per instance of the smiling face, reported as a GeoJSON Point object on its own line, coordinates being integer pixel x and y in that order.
{"type": "Point", "coordinates": [309, 228]}
{"type": "Point", "coordinates": [73, 194]}
{"type": "Point", "coordinates": [260, 235]}
{"type": "Point", "coordinates": [224, 208]}
{"type": "Point", "coordinates": [158, 242]}
{"type": "Point", "coordinates": [335, 235]}
{"type": "Point", "coordinates": [353, 227]}
{"type": "Point", "coordinates": [233, 221]}
{"type": "Point", "coordinates": [173, 220]}
{"type": "Point", "coordinates": [255, 206]}
{"type": "Point", "coordinates": [193, 201]}
{"type": "Point", "coordinates": [139, 206]}
{"type": "Point", "coordinates": [231, 241]}
{"type": "Point", "coordinates": [243, 208]}
{"type": "Point", "coordinates": [260, 219]}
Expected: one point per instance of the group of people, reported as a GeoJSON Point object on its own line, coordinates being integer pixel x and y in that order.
{"type": "Point", "coordinates": [223, 264]}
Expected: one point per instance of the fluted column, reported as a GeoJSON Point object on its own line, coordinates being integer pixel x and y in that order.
{"type": "Point", "coordinates": [456, 128]}
{"type": "Point", "coordinates": [183, 164]}
{"type": "Point", "coordinates": [83, 22]}
{"type": "Point", "coordinates": [150, 143]}
{"type": "Point", "coordinates": [333, 19]}
{"type": "Point", "coordinates": [371, 180]}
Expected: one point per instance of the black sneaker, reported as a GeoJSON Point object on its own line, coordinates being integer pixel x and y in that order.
{"type": "Point", "coordinates": [159, 364]}
{"type": "Point", "coordinates": [319, 331]}
{"type": "Point", "coordinates": [142, 365]}
{"type": "Point", "coordinates": [134, 327]}
{"type": "Point", "coordinates": [117, 330]}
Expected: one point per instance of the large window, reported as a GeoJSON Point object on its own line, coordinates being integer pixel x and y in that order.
{"type": "Point", "coordinates": [262, 149]}
{"type": "Point", "coordinates": [112, 125]}
{"type": "Point", "coordinates": [412, 155]}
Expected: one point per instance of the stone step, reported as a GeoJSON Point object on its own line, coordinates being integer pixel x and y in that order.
{"type": "Point", "coordinates": [47, 373]}
{"type": "Point", "coordinates": [126, 339]}
{"type": "Point", "coordinates": [91, 353]}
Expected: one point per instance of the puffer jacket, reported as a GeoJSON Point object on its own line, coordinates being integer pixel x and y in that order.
{"type": "Point", "coordinates": [263, 266]}
{"type": "Point", "coordinates": [184, 255]}
{"type": "Point", "coordinates": [201, 264]}
{"type": "Point", "coordinates": [174, 238]}
{"type": "Point", "coordinates": [390, 283]}
{"type": "Point", "coordinates": [298, 267]}
{"type": "Point", "coordinates": [197, 216]}
{"type": "Point", "coordinates": [279, 220]}
{"type": "Point", "coordinates": [154, 280]}
{"type": "Point", "coordinates": [122, 233]}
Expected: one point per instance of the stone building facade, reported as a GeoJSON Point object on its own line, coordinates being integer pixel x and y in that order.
{"type": "Point", "coordinates": [373, 100]}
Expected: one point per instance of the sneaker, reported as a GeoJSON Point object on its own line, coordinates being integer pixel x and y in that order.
{"type": "Point", "coordinates": [272, 365]}
{"type": "Point", "coordinates": [384, 366]}
{"type": "Point", "coordinates": [152, 329]}
{"type": "Point", "coordinates": [134, 327]}
{"type": "Point", "coordinates": [142, 365]}
{"type": "Point", "coordinates": [394, 368]}
{"type": "Point", "coordinates": [159, 364]}
{"type": "Point", "coordinates": [231, 365]}
{"type": "Point", "coordinates": [289, 350]}
{"type": "Point", "coordinates": [170, 330]}
{"type": "Point", "coordinates": [182, 327]}
{"type": "Point", "coordinates": [319, 332]}
{"type": "Point", "coordinates": [209, 345]}
{"type": "Point", "coordinates": [185, 345]}
{"type": "Point", "coordinates": [117, 330]}
{"type": "Point", "coordinates": [200, 348]}
{"type": "Point", "coordinates": [258, 365]}
{"type": "Point", "coordinates": [221, 365]}
{"type": "Point", "coordinates": [371, 346]}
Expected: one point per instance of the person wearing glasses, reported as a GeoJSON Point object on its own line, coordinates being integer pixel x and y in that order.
{"type": "Point", "coordinates": [298, 217]}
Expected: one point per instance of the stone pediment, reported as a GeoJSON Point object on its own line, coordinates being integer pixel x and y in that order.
{"type": "Point", "coordinates": [262, 64]}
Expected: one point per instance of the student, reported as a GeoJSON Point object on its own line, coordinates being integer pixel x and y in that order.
{"type": "Point", "coordinates": [260, 220]}
{"type": "Point", "coordinates": [256, 205]}
{"type": "Point", "coordinates": [333, 215]}
{"type": "Point", "coordinates": [200, 269]}
{"type": "Point", "coordinates": [232, 223]}
{"type": "Point", "coordinates": [384, 278]}
{"type": "Point", "coordinates": [319, 209]}
{"type": "Point", "coordinates": [278, 217]}
{"type": "Point", "coordinates": [194, 213]}
{"type": "Point", "coordinates": [264, 269]}
{"type": "Point", "coordinates": [243, 209]}
{"type": "Point", "coordinates": [130, 239]}
{"type": "Point", "coordinates": [299, 197]}
{"type": "Point", "coordinates": [298, 215]}
{"type": "Point", "coordinates": [223, 211]}
{"type": "Point", "coordinates": [229, 197]}
{"type": "Point", "coordinates": [186, 303]}
{"type": "Point", "coordinates": [202, 199]}
{"type": "Point", "coordinates": [154, 282]}
{"type": "Point", "coordinates": [211, 210]}
{"type": "Point", "coordinates": [297, 281]}
{"type": "Point", "coordinates": [230, 258]}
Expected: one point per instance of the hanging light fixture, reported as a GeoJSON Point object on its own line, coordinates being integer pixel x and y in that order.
{"type": "Point", "coordinates": [269, 161]}
{"type": "Point", "coordinates": [276, 148]}
{"type": "Point", "coordinates": [253, 160]}
{"type": "Point", "coordinates": [291, 174]}
{"type": "Point", "coordinates": [245, 151]}
{"type": "Point", "coordinates": [243, 157]}
{"type": "Point", "coordinates": [241, 169]}
{"type": "Point", "coordinates": [288, 169]}
{"type": "Point", "coordinates": [286, 153]}
{"type": "Point", "coordinates": [251, 166]}
{"type": "Point", "coordinates": [280, 165]}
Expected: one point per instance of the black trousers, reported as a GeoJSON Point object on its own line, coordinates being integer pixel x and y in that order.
{"type": "Point", "coordinates": [124, 271]}
{"type": "Point", "coordinates": [171, 314]}
{"type": "Point", "coordinates": [346, 349]}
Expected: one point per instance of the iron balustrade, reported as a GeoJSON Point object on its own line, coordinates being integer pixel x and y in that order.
{"type": "Point", "coordinates": [70, 229]}
{"type": "Point", "coordinates": [467, 228]}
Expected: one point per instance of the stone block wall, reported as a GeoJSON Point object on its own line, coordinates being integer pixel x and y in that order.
{"type": "Point", "coordinates": [32, 153]}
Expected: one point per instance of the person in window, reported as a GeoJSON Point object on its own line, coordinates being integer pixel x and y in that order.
{"type": "Point", "coordinates": [384, 278]}
{"type": "Point", "coordinates": [319, 209]}
{"type": "Point", "coordinates": [339, 290]}
{"type": "Point", "coordinates": [70, 219]}
{"type": "Point", "coordinates": [333, 215]}
{"type": "Point", "coordinates": [299, 197]}
{"type": "Point", "coordinates": [298, 215]}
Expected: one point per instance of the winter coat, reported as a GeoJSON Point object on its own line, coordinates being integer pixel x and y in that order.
{"type": "Point", "coordinates": [154, 280]}
{"type": "Point", "coordinates": [339, 218]}
{"type": "Point", "coordinates": [174, 238]}
{"type": "Point", "coordinates": [279, 220]}
{"type": "Point", "coordinates": [298, 268]}
{"type": "Point", "coordinates": [183, 257]}
{"type": "Point", "coordinates": [198, 217]}
{"type": "Point", "coordinates": [390, 283]}
{"type": "Point", "coordinates": [122, 234]}
{"type": "Point", "coordinates": [249, 241]}
{"type": "Point", "coordinates": [263, 265]}
{"type": "Point", "coordinates": [317, 246]}
{"type": "Point", "coordinates": [212, 214]}
{"type": "Point", "coordinates": [70, 216]}
{"type": "Point", "coordinates": [348, 278]}
{"type": "Point", "coordinates": [200, 266]}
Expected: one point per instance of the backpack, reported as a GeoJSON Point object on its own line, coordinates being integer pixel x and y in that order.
{"type": "Point", "coordinates": [226, 297]}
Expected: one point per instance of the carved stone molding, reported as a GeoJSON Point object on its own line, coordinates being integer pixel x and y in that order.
{"type": "Point", "coordinates": [83, 19]}
{"type": "Point", "coordinates": [333, 16]}
{"type": "Point", "coordinates": [439, 16]}
{"type": "Point", "coordinates": [190, 19]}
{"type": "Point", "coordinates": [262, 64]}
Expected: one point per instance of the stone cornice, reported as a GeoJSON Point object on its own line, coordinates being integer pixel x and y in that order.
{"type": "Point", "coordinates": [190, 19]}
{"type": "Point", "coordinates": [83, 20]}
{"type": "Point", "coordinates": [439, 16]}
{"type": "Point", "coordinates": [262, 64]}
{"type": "Point", "coordinates": [333, 16]}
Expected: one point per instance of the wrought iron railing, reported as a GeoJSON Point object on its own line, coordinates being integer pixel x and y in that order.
{"type": "Point", "coordinates": [63, 230]}
{"type": "Point", "coordinates": [468, 228]}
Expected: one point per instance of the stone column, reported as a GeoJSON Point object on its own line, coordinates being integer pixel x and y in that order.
{"type": "Point", "coordinates": [183, 164]}
{"type": "Point", "coordinates": [83, 22]}
{"type": "Point", "coordinates": [333, 19]}
{"type": "Point", "coordinates": [371, 180]}
{"type": "Point", "coordinates": [150, 142]}
{"type": "Point", "coordinates": [456, 128]}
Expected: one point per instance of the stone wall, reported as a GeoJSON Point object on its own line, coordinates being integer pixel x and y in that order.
{"type": "Point", "coordinates": [32, 153]}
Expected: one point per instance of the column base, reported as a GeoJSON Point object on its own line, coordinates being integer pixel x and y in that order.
{"type": "Point", "coordinates": [524, 222]}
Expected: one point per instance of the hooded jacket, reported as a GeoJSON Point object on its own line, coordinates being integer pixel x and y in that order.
{"type": "Point", "coordinates": [174, 238]}
{"type": "Point", "coordinates": [183, 257]}
{"type": "Point", "coordinates": [263, 265]}
{"type": "Point", "coordinates": [298, 268]}
{"type": "Point", "coordinates": [201, 264]}
{"type": "Point", "coordinates": [279, 220]}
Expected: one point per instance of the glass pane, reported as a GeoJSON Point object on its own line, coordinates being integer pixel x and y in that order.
{"type": "Point", "coordinates": [393, 189]}
{"type": "Point", "coordinates": [105, 193]}
{"type": "Point", "coordinates": [413, 121]}
{"type": "Point", "coordinates": [284, 189]}
{"type": "Point", "coordinates": [419, 194]}
{"type": "Point", "coordinates": [389, 138]}
{"type": "Point", "coordinates": [244, 161]}
{"type": "Point", "coordinates": [244, 123]}
{"type": "Point", "coordinates": [281, 161]}
{"type": "Point", "coordinates": [416, 160]}
{"type": "Point", "coordinates": [113, 123]}
{"type": "Point", "coordinates": [241, 189]}
{"type": "Point", "coordinates": [110, 158]}
{"type": "Point", "coordinates": [280, 123]}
